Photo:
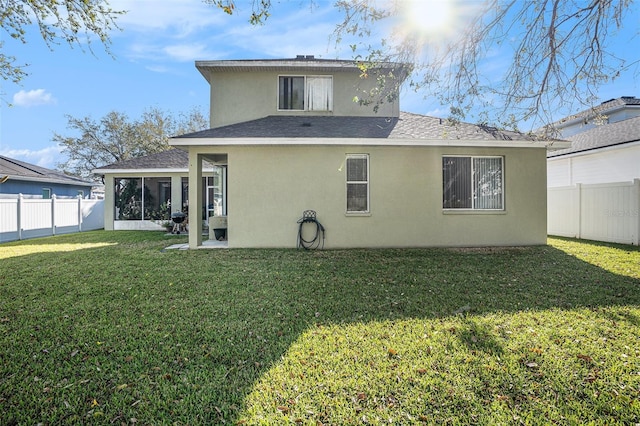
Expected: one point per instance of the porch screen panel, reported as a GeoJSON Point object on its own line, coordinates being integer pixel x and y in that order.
{"type": "Point", "coordinates": [487, 183]}
{"type": "Point", "coordinates": [319, 94]}
{"type": "Point", "coordinates": [128, 199]}
{"type": "Point", "coordinates": [157, 193]}
{"type": "Point", "coordinates": [185, 195]}
{"type": "Point", "coordinates": [456, 183]}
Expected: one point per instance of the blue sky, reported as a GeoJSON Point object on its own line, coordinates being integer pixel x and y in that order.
{"type": "Point", "coordinates": [153, 66]}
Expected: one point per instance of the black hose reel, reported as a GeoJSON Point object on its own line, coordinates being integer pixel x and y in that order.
{"type": "Point", "coordinates": [309, 217]}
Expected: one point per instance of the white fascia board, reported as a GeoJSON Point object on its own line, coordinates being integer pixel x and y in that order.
{"type": "Point", "coordinates": [551, 145]}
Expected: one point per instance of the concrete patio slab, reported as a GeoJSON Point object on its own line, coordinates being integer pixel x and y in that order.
{"type": "Point", "coordinates": [207, 244]}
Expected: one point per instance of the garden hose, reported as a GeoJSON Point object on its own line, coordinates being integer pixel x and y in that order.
{"type": "Point", "coordinates": [309, 216]}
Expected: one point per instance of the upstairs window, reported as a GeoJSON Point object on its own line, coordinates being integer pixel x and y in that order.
{"type": "Point", "coordinates": [291, 93]}
{"type": "Point", "coordinates": [357, 183]}
{"type": "Point", "coordinates": [472, 183]}
{"type": "Point", "coordinates": [305, 93]}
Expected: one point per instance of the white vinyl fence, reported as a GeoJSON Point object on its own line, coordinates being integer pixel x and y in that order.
{"type": "Point", "coordinates": [603, 212]}
{"type": "Point", "coordinates": [22, 218]}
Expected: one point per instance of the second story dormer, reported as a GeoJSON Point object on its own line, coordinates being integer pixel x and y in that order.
{"type": "Point", "coordinates": [243, 90]}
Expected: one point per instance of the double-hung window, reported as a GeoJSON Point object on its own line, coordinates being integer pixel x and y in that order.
{"type": "Point", "coordinates": [473, 183]}
{"type": "Point", "coordinates": [305, 93]}
{"type": "Point", "coordinates": [357, 183]}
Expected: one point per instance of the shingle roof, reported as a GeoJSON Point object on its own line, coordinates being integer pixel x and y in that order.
{"type": "Point", "coordinates": [20, 170]}
{"type": "Point", "coordinates": [605, 135]}
{"type": "Point", "coordinates": [602, 109]}
{"type": "Point", "coordinates": [407, 126]}
{"type": "Point", "coordinates": [169, 159]}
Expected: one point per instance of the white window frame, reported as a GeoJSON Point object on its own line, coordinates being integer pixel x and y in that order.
{"type": "Point", "coordinates": [211, 187]}
{"type": "Point", "coordinates": [473, 207]}
{"type": "Point", "coordinates": [306, 93]}
{"type": "Point", "coordinates": [358, 182]}
{"type": "Point", "coordinates": [46, 193]}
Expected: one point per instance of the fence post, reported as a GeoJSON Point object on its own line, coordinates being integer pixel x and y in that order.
{"type": "Point", "coordinates": [53, 214]}
{"type": "Point", "coordinates": [19, 215]}
{"type": "Point", "coordinates": [579, 210]}
{"type": "Point", "coordinates": [79, 213]}
{"type": "Point", "coordinates": [636, 205]}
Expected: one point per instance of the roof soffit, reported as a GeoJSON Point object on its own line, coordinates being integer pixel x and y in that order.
{"type": "Point", "coordinates": [206, 68]}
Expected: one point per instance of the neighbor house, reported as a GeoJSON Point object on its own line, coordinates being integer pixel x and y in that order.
{"type": "Point", "coordinates": [288, 136]}
{"type": "Point", "coordinates": [594, 186]}
{"type": "Point", "coordinates": [605, 145]}
{"type": "Point", "coordinates": [18, 177]}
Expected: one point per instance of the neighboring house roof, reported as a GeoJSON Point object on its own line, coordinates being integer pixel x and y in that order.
{"type": "Point", "coordinates": [605, 135]}
{"type": "Point", "coordinates": [606, 107]}
{"type": "Point", "coordinates": [20, 170]}
{"type": "Point", "coordinates": [407, 126]}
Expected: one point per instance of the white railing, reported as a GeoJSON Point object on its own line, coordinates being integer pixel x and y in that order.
{"type": "Point", "coordinates": [603, 212]}
{"type": "Point", "coordinates": [22, 218]}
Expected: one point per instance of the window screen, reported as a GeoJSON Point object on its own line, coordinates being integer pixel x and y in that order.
{"type": "Point", "coordinates": [472, 183]}
{"type": "Point", "coordinates": [357, 183]}
{"type": "Point", "coordinates": [291, 93]}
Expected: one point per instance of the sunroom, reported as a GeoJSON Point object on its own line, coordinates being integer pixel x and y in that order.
{"type": "Point", "coordinates": [142, 193]}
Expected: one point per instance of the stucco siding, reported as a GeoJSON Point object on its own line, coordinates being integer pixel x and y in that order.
{"type": "Point", "coordinates": [234, 98]}
{"type": "Point", "coordinates": [270, 186]}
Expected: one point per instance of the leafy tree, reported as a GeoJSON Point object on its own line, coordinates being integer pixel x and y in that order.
{"type": "Point", "coordinates": [557, 53]}
{"type": "Point", "coordinates": [116, 138]}
{"type": "Point", "coordinates": [72, 21]}
{"type": "Point", "coordinates": [260, 9]}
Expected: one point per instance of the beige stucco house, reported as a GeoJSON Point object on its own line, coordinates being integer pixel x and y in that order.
{"type": "Point", "coordinates": [287, 136]}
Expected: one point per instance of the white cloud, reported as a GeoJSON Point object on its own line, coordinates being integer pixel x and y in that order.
{"type": "Point", "coordinates": [186, 52]}
{"type": "Point", "coordinates": [46, 157]}
{"type": "Point", "coordinates": [154, 17]}
{"type": "Point", "coordinates": [191, 30]}
{"type": "Point", "coordinates": [33, 98]}
{"type": "Point", "coordinates": [438, 112]}
{"type": "Point", "coordinates": [287, 33]}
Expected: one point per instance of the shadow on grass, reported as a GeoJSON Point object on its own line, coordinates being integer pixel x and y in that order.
{"type": "Point", "coordinates": [128, 332]}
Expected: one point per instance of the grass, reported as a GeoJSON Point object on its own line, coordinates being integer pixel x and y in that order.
{"type": "Point", "coordinates": [108, 328]}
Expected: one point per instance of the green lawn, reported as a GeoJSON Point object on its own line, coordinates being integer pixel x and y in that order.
{"type": "Point", "coordinates": [108, 328]}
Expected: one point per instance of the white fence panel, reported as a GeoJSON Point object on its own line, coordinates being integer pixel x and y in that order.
{"type": "Point", "coordinates": [66, 212]}
{"type": "Point", "coordinates": [8, 215]}
{"type": "Point", "coordinates": [92, 215]}
{"type": "Point", "coordinates": [24, 218]}
{"type": "Point", "coordinates": [563, 206]}
{"type": "Point", "coordinates": [36, 214]}
{"type": "Point", "coordinates": [603, 212]}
